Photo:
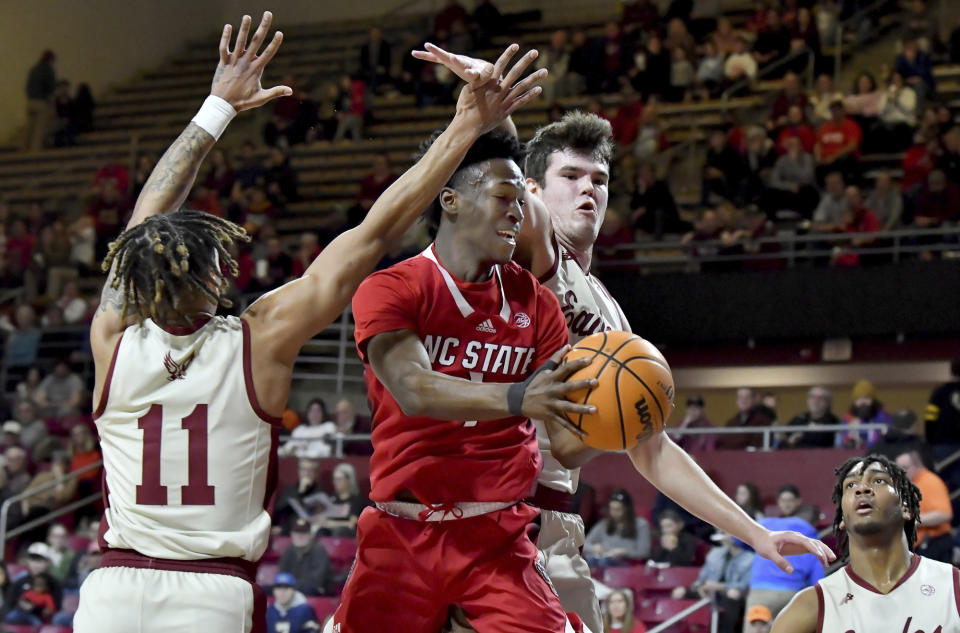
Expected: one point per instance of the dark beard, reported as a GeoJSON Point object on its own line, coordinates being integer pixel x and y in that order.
{"type": "Point", "coordinates": [872, 528]}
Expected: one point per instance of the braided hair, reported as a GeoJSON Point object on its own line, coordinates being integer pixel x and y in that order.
{"type": "Point", "coordinates": [171, 256]}
{"type": "Point", "coordinates": [909, 496]}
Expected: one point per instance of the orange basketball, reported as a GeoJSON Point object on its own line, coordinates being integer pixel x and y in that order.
{"type": "Point", "coordinates": [634, 396]}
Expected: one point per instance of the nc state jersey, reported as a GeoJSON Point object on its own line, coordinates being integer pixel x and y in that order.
{"type": "Point", "coordinates": [587, 308]}
{"type": "Point", "coordinates": [499, 330]}
{"type": "Point", "coordinates": [925, 599]}
{"type": "Point", "coordinates": [187, 451]}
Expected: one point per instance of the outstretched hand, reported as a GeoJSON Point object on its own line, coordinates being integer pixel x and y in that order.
{"type": "Point", "coordinates": [489, 96]}
{"type": "Point", "coordinates": [237, 80]}
{"type": "Point", "coordinates": [775, 545]}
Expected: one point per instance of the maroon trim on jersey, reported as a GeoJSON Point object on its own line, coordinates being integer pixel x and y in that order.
{"type": "Point", "coordinates": [248, 379]}
{"type": "Point", "coordinates": [545, 277]}
{"type": "Point", "coordinates": [237, 567]}
{"type": "Point", "coordinates": [184, 330]}
{"type": "Point", "coordinates": [550, 499]}
{"type": "Point", "coordinates": [105, 394]}
{"type": "Point", "coordinates": [259, 624]}
{"type": "Point", "coordinates": [820, 608]}
{"type": "Point", "coordinates": [956, 588]}
{"type": "Point", "coordinates": [914, 564]}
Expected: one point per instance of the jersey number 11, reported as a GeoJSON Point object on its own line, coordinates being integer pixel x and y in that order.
{"type": "Point", "coordinates": [197, 492]}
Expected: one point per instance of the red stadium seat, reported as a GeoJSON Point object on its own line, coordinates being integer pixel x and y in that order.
{"type": "Point", "coordinates": [340, 550]}
{"type": "Point", "coordinates": [53, 628]}
{"type": "Point", "coordinates": [671, 577]}
{"type": "Point", "coordinates": [18, 628]}
{"type": "Point", "coordinates": [265, 574]}
{"type": "Point", "coordinates": [634, 578]}
{"type": "Point", "coordinates": [279, 544]}
{"type": "Point", "coordinates": [70, 602]}
{"type": "Point", "coordinates": [668, 607]}
{"type": "Point", "coordinates": [323, 606]}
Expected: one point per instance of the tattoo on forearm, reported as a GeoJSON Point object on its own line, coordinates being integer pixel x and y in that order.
{"type": "Point", "coordinates": [174, 174]}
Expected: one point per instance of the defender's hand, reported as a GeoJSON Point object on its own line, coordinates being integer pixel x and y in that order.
{"type": "Point", "coordinates": [237, 80]}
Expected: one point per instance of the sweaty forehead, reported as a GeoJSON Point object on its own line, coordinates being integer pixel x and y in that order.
{"type": "Point", "coordinates": [569, 158]}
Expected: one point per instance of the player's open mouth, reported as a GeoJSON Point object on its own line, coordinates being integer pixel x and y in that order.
{"type": "Point", "coordinates": [508, 236]}
{"type": "Point", "coordinates": [864, 507]}
{"type": "Point", "coordinates": [588, 207]}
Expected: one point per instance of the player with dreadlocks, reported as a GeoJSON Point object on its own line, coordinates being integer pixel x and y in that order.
{"type": "Point", "coordinates": [189, 403]}
{"type": "Point", "coordinates": [885, 586]}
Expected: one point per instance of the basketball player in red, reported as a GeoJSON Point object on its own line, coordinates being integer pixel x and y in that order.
{"type": "Point", "coordinates": [452, 339]}
{"type": "Point", "coordinates": [188, 403]}
{"type": "Point", "coordinates": [567, 171]}
{"type": "Point", "coordinates": [885, 586]}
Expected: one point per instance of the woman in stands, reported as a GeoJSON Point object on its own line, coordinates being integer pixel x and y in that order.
{"type": "Point", "coordinates": [620, 537]}
{"type": "Point", "coordinates": [618, 616]}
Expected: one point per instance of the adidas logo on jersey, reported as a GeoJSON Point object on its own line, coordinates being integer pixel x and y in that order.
{"type": "Point", "coordinates": [487, 326]}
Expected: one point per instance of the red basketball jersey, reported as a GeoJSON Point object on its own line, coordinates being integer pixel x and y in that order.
{"type": "Point", "coordinates": [499, 330]}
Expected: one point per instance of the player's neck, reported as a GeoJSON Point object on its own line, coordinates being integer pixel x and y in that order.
{"type": "Point", "coordinates": [583, 256]}
{"type": "Point", "coordinates": [462, 261]}
{"type": "Point", "coordinates": [882, 565]}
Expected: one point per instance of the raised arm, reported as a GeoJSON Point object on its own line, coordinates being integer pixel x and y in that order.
{"type": "Point", "coordinates": [290, 316]}
{"type": "Point", "coordinates": [235, 87]}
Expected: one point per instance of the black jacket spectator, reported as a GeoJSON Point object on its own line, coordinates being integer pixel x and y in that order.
{"type": "Point", "coordinates": [813, 439]}
{"type": "Point", "coordinates": [943, 411]}
{"type": "Point", "coordinates": [375, 58]}
{"type": "Point", "coordinates": [309, 564]}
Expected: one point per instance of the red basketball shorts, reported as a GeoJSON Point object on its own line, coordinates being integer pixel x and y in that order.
{"type": "Point", "coordinates": [408, 574]}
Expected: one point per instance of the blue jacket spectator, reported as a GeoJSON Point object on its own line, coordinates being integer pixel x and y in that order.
{"type": "Point", "coordinates": [772, 587]}
{"type": "Point", "coordinates": [916, 69]}
{"type": "Point", "coordinates": [289, 612]}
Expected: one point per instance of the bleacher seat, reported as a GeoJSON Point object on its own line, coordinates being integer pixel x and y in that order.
{"type": "Point", "coordinates": [323, 606]}
{"type": "Point", "coordinates": [19, 628]}
{"type": "Point", "coordinates": [671, 577]}
{"type": "Point", "coordinates": [666, 608]}
{"type": "Point", "coordinates": [70, 602]}
{"type": "Point", "coordinates": [53, 628]}
{"type": "Point", "coordinates": [632, 578]}
{"type": "Point", "coordinates": [340, 550]}
{"type": "Point", "coordinates": [265, 573]}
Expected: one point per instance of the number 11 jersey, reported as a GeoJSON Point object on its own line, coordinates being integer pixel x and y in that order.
{"type": "Point", "coordinates": [189, 455]}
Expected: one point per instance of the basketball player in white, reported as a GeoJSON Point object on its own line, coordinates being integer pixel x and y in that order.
{"type": "Point", "coordinates": [189, 404]}
{"type": "Point", "coordinates": [567, 171]}
{"type": "Point", "coordinates": [886, 586]}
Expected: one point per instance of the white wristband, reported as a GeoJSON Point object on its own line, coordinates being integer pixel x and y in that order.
{"type": "Point", "coordinates": [214, 115]}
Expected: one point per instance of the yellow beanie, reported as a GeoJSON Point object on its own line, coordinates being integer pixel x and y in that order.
{"type": "Point", "coordinates": [864, 389]}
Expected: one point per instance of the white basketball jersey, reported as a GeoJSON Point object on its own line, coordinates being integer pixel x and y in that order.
{"type": "Point", "coordinates": [925, 599]}
{"type": "Point", "coordinates": [588, 308]}
{"type": "Point", "coordinates": [186, 448]}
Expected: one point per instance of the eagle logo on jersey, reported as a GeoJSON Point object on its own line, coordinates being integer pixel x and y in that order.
{"type": "Point", "coordinates": [927, 590]}
{"type": "Point", "coordinates": [847, 598]}
{"type": "Point", "coordinates": [177, 371]}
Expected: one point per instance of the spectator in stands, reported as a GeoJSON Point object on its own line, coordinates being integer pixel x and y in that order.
{"type": "Point", "coordinates": [615, 57]}
{"type": "Point", "coordinates": [83, 565]}
{"type": "Point", "coordinates": [838, 142]}
{"type": "Point", "coordinates": [310, 440]}
{"type": "Point", "coordinates": [33, 434]}
{"type": "Point", "coordinates": [757, 20]}
{"type": "Point", "coordinates": [823, 96]}
{"type": "Point", "coordinates": [653, 209]}
{"type": "Point", "coordinates": [20, 243]}
{"type": "Point", "coordinates": [308, 251]}
{"type": "Point", "coordinates": [934, 540]}
{"type": "Point", "coordinates": [865, 409]}
{"type": "Point", "coordinates": [83, 454]}
{"type": "Point", "coordinates": [81, 109]}
{"type": "Point", "coordinates": [375, 59]}
{"type": "Point", "coordinates": [893, 131]}
{"type": "Point", "coordinates": [937, 202]}
{"type": "Point", "coordinates": [639, 15]}
{"type": "Point", "coordinates": [486, 22]}
{"type": "Point", "coordinates": [726, 38]}
{"type": "Point", "coordinates": [804, 30]}
{"type": "Point", "coordinates": [919, 23]}
{"type": "Point", "coordinates": [740, 64]}
{"type": "Point", "coordinates": [831, 213]}
{"type": "Point", "coordinates": [64, 134]}
{"type": "Point", "coordinates": [451, 12]}
{"type": "Point", "coordinates": [351, 108]}
{"type": "Point", "coordinates": [306, 496]}
{"type": "Point", "coordinates": [904, 436]}
{"type": "Point", "coordinates": [346, 504]}
{"type": "Point", "coordinates": [723, 170]}
{"type": "Point", "coordinates": [796, 125]}
{"type": "Point", "coordinates": [618, 614]}
{"type": "Point", "coordinates": [920, 160]}
{"type": "Point", "coordinates": [41, 84]}
{"type": "Point", "coordinates": [916, 69]}
{"type": "Point", "coordinates": [35, 606]}
{"type": "Point", "coordinates": [819, 401]}
{"type": "Point", "coordinates": [709, 71]}
{"type": "Point", "coordinates": [747, 497]}
{"type": "Point", "coordinates": [859, 219]}
{"type": "Point", "coordinates": [249, 171]}
{"type": "Point", "coordinates": [675, 545]}
{"type": "Point", "coordinates": [681, 75]}
{"type": "Point", "coordinates": [47, 500]}
{"type": "Point", "coordinates": [942, 415]}
{"type": "Point", "coordinates": [651, 138]}
{"type": "Point", "coordinates": [790, 96]}
{"type": "Point", "coordinates": [773, 42]}
{"type": "Point", "coordinates": [83, 237]}
{"type": "Point", "coordinates": [62, 556]}
{"type": "Point", "coordinates": [555, 58]}
{"type": "Point", "coordinates": [381, 176]}
{"type": "Point", "coordinates": [28, 388]}
{"type": "Point", "coordinates": [949, 160]}
{"type": "Point", "coordinates": [750, 412]}
{"type": "Point", "coordinates": [22, 341]}
{"type": "Point", "coordinates": [792, 181]}
{"type": "Point", "coordinates": [279, 178]}
{"type": "Point", "coordinates": [864, 104]}
{"type": "Point", "coordinates": [52, 255]}
{"type": "Point", "coordinates": [275, 267]}
{"type": "Point", "coordinates": [653, 78]}
{"type": "Point", "coordinates": [770, 586]}
{"type": "Point", "coordinates": [75, 307]}
{"type": "Point", "coordinates": [695, 417]}
{"type": "Point", "coordinates": [108, 209]}
{"type": "Point", "coordinates": [791, 504]}
{"type": "Point", "coordinates": [584, 57]}
{"type": "Point", "coordinates": [307, 560]}
{"type": "Point", "coordinates": [62, 392]}
{"type": "Point", "coordinates": [620, 536]}
{"type": "Point", "coordinates": [725, 579]}
{"type": "Point", "coordinates": [886, 202]}
{"type": "Point", "coordinates": [759, 160]}
{"type": "Point", "coordinates": [289, 612]}
{"type": "Point", "coordinates": [11, 433]}
{"type": "Point", "coordinates": [758, 619]}
{"type": "Point", "coordinates": [220, 176]}
{"type": "Point", "coordinates": [38, 566]}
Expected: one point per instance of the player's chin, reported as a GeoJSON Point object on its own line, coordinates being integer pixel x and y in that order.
{"type": "Point", "coordinates": [502, 251]}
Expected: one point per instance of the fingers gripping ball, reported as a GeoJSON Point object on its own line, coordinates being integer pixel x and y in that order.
{"type": "Point", "coordinates": [634, 396]}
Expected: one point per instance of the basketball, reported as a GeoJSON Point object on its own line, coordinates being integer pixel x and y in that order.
{"type": "Point", "coordinates": [634, 396]}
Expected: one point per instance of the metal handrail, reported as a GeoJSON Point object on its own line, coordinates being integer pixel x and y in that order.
{"type": "Point", "coordinates": [31, 492]}
{"type": "Point", "coordinates": [693, 608]}
{"type": "Point", "coordinates": [766, 70]}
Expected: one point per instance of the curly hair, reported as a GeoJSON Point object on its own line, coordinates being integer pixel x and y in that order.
{"type": "Point", "coordinates": [909, 496]}
{"type": "Point", "coordinates": [168, 257]}
{"type": "Point", "coordinates": [579, 131]}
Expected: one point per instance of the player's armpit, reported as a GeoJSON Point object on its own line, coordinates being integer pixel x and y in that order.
{"type": "Point", "coordinates": [800, 616]}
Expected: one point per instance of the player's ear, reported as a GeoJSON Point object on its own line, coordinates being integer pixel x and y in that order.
{"type": "Point", "coordinates": [907, 515]}
{"type": "Point", "coordinates": [842, 526]}
{"type": "Point", "coordinates": [533, 186]}
{"type": "Point", "coordinates": [449, 198]}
